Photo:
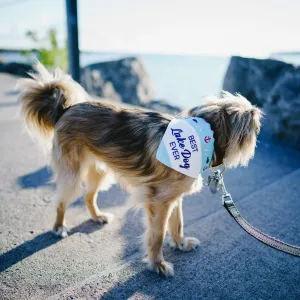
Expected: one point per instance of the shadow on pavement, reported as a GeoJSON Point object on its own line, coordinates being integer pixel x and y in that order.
{"type": "Point", "coordinates": [206, 274]}
{"type": "Point", "coordinates": [147, 284]}
{"type": "Point", "coordinates": [132, 230]}
{"type": "Point", "coordinates": [36, 179]}
{"type": "Point", "coordinates": [41, 242]}
{"type": "Point", "coordinates": [113, 197]}
{"type": "Point", "coordinates": [42, 177]}
{"type": "Point", "coordinates": [133, 288]}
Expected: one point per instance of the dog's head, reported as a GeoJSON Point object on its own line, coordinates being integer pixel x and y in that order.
{"type": "Point", "coordinates": [236, 125]}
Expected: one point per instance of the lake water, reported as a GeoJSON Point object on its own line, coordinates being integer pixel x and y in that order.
{"type": "Point", "coordinates": [181, 80]}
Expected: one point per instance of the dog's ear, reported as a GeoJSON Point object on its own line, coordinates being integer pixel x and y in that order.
{"type": "Point", "coordinates": [236, 124]}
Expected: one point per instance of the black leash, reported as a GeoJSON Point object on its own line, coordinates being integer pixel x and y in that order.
{"type": "Point", "coordinates": [215, 182]}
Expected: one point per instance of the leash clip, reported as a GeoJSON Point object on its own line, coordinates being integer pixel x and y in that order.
{"type": "Point", "coordinates": [215, 182]}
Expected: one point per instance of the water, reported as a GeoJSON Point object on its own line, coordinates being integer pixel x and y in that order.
{"type": "Point", "coordinates": [181, 80]}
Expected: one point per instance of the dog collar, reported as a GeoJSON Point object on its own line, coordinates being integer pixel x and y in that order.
{"type": "Point", "coordinates": [187, 146]}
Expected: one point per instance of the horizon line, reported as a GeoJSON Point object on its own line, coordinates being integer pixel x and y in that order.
{"type": "Point", "coordinates": [294, 52]}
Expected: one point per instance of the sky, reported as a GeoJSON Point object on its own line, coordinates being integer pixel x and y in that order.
{"type": "Point", "coordinates": [253, 28]}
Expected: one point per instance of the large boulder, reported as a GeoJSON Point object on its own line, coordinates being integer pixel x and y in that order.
{"type": "Point", "coordinates": [123, 80]}
{"type": "Point", "coordinates": [275, 87]}
{"type": "Point", "coordinates": [253, 78]}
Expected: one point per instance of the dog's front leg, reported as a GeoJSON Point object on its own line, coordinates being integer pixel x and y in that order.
{"type": "Point", "coordinates": [175, 228]}
{"type": "Point", "coordinates": [157, 212]}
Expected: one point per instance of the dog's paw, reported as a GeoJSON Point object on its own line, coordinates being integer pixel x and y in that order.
{"type": "Point", "coordinates": [104, 218]}
{"type": "Point", "coordinates": [187, 244]}
{"type": "Point", "coordinates": [172, 244]}
{"type": "Point", "coordinates": [61, 231]}
{"type": "Point", "coordinates": [162, 268]}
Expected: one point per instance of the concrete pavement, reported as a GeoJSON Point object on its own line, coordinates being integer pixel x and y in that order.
{"type": "Point", "coordinates": [103, 262]}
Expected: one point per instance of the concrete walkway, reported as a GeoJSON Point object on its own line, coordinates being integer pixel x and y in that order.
{"type": "Point", "coordinates": [97, 262]}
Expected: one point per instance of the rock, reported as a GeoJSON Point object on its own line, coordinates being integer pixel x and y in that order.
{"type": "Point", "coordinates": [163, 106]}
{"type": "Point", "coordinates": [253, 78]}
{"type": "Point", "coordinates": [122, 80]}
{"type": "Point", "coordinates": [275, 87]}
{"type": "Point", "coordinates": [282, 107]}
{"type": "Point", "coordinates": [14, 68]}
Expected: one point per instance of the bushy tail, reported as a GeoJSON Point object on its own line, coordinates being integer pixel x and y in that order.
{"type": "Point", "coordinates": [45, 97]}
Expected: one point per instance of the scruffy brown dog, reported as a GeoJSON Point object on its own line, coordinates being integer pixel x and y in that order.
{"type": "Point", "coordinates": [94, 141]}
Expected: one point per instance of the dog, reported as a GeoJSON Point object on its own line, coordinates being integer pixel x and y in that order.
{"type": "Point", "coordinates": [93, 142]}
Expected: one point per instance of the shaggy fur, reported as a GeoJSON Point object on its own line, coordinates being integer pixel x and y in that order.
{"type": "Point", "coordinates": [94, 141]}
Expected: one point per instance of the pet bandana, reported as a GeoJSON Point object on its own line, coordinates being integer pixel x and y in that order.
{"type": "Point", "coordinates": [187, 146]}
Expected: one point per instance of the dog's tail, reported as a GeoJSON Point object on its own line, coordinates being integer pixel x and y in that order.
{"type": "Point", "coordinates": [45, 97]}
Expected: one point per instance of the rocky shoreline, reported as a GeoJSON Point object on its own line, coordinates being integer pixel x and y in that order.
{"type": "Point", "coordinates": [120, 81]}
{"type": "Point", "coordinates": [270, 84]}
{"type": "Point", "coordinates": [275, 87]}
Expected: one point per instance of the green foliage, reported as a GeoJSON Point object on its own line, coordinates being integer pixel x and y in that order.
{"type": "Point", "coordinates": [50, 55]}
{"type": "Point", "coordinates": [32, 35]}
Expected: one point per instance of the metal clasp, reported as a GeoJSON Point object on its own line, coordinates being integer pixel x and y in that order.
{"type": "Point", "coordinates": [222, 164]}
{"type": "Point", "coordinates": [226, 199]}
{"type": "Point", "coordinates": [215, 182]}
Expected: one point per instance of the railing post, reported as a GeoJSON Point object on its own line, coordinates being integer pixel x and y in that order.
{"type": "Point", "coordinates": [73, 47]}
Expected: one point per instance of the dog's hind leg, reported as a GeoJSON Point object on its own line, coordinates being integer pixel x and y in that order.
{"type": "Point", "coordinates": [68, 188]}
{"type": "Point", "coordinates": [68, 178]}
{"type": "Point", "coordinates": [95, 180]}
{"type": "Point", "coordinates": [175, 229]}
{"type": "Point", "coordinates": [59, 227]}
